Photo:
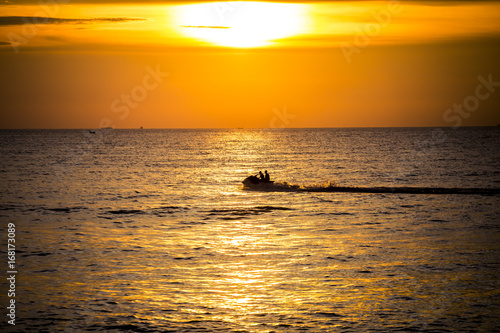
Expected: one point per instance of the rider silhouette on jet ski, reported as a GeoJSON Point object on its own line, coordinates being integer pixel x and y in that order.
{"type": "Point", "coordinates": [264, 178]}
{"type": "Point", "coordinates": [257, 179]}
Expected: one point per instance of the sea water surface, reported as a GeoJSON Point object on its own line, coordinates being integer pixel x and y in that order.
{"type": "Point", "coordinates": [152, 230]}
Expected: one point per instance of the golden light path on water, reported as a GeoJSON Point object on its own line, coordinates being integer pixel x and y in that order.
{"type": "Point", "coordinates": [241, 24]}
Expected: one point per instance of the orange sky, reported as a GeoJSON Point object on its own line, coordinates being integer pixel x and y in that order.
{"type": "Point", "coordinates": [249, 64]}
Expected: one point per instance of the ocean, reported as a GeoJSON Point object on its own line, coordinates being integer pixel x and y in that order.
{"type": "Point", "coordinates": [152, 230]}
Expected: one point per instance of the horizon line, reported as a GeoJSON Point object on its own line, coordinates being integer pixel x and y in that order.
{"type": "Point", "coordinates": [237, 128]}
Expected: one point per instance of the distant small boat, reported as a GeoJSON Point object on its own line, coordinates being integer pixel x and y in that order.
{"type": "Point", "coordinates": [91, 132]}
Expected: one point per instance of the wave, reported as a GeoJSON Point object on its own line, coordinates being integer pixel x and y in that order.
{"type": "Point", "coordinates": [239, 213]}
{"type": "Point", "coordinates": [332, 187]}
{"type": "Point", "coordinates": [126, 211]}
{"type": "Point", "coordinates": [158, 211]}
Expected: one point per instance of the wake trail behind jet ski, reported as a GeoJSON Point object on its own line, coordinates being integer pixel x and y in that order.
{"type": "Point", "coordinates": [253, 183]}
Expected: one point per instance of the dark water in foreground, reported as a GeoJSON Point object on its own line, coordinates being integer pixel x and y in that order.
{"type": "Point", "coordinates": [151, 230]}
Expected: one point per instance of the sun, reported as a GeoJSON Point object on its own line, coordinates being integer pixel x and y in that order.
{"type": "Point", "coordinates": [240, 23]}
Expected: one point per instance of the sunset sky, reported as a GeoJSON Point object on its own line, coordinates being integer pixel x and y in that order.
{"type": "Point", "coordinates": [186, 64]}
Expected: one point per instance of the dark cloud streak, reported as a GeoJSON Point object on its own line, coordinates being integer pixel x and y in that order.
{"type": "Point", "coordinates": [205, 26]}
{"type": "Point", "coordinates": [20, 20]}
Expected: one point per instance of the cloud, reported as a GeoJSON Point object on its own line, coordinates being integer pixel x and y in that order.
{"type": "Point", "coordinates": [205, 26]}
{"type": "Point", "coordinates": [5, 43]}
{"type": "Point", "coordinates": [20, 20]}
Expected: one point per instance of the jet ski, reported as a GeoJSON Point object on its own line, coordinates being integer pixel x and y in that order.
{"type": "Point", "coordinates": [254, 181]}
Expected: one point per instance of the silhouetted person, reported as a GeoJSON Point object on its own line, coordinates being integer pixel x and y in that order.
{"type": "Point", "coordinates": [261, 176]}
{"type": "Point", "coordinates": [266, 177]}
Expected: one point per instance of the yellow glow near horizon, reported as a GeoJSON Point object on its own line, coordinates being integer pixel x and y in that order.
{"type": "Point", "coordinates": [241, 24]}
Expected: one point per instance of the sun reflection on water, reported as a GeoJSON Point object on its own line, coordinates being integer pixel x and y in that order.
{"type": "Point", "coordinates": [239, 153]}
{"type": "Point", "coordinates": [248, 274]}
